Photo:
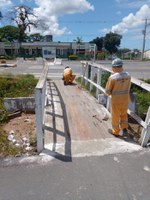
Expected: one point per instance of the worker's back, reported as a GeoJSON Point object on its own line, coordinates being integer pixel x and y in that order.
{"type": "Point", "coordinates": [120, 86]}
{"type": "Point", "coordinates": [67, 71]}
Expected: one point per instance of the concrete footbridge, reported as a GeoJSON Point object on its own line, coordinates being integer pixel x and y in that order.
{"type": "Point", "coordinates": [72, 123]}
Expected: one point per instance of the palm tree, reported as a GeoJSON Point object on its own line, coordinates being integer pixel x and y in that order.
{"type": "Point", "coordinates": [78, 41]}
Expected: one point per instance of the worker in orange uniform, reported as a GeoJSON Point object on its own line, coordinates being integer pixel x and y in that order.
{"type": "Point", "coordinates": [68, 76]}
{"type": "Point", "coordinates": [118, 86]}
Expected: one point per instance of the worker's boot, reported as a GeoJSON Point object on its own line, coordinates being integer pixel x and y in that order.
{"type": "Point", "coordinates": [111, 132]}
{"type": "Point", "coordinates": [124, 132]}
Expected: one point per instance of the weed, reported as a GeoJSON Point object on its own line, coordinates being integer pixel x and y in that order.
{"type": "Point", "coordinates": [15, 86]}
{"type": "Point", "coordinates": [6, 148]}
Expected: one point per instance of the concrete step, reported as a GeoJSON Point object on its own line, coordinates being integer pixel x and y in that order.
{"type": "Point", "coordinates": [98, 147]}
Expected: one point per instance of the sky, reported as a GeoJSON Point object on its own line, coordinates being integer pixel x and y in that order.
{"type": "Point", "coordinates": [66, 19]}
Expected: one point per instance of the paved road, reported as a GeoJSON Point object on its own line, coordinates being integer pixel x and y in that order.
{"type": "Point", "coordinates": [136, 69]}
{"type": "Point", "coordinates": [124, 176]}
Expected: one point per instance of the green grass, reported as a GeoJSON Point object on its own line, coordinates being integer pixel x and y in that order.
{"type": "Point", "coordinates": [6, 148]}
{"type": "Point", "coordinates": [15, 86]}
{"type": "Point", "coordinates": [142, 99]}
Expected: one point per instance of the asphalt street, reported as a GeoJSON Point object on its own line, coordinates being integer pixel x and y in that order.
{"type": "Point", "coordinates": [124, 176]}
{"type": "Point", "coordinates": [136, 69]}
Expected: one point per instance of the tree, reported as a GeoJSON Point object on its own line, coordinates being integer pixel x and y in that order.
{"type": "Point", "coordinates": [35, 37]}
{"type": "Point", "coordinates": [121, 52]}
{"type": "Point", "coordinates": [78, 41]}
{"type": "Point", "coordinates": [99, 43]}
{"type": "Point", "coordinates": [9, 33]}
{"type": "Point", "coordinates": [112, 42]}
{"type": "Point", "coordinates": [24, 18]}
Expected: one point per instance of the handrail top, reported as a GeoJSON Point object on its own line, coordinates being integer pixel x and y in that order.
{"type": "Point", "coordinates": [134, 80]}
{"type": "Point", "coordinates": [42, 78]}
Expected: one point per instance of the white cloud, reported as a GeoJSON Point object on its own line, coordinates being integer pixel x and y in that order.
{"type": "Point", "coordinates": [132, 21]}
{"type": "Point", "coordinates": [4, 3]}
{"type": "Point", "coordinates": [105, 30]}
{"type": "Point", "coordinates": [132, 4]}
{"type": "Point", "coordinates": [49, 11]}
{"type": "Point", "coordinates": [138, 3]}
{"type": "Point", "coordinates": [119, 12]}
{"type": "Point", "coordinates": [118, 1]}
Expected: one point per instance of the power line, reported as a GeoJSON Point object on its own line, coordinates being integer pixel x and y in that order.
{"type": "Point", "coordinates": [84, 22]}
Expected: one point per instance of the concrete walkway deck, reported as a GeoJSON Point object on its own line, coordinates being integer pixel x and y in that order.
{"type": "Point", "coordinates": [76, 125]}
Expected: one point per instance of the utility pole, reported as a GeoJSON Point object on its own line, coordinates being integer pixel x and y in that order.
{"type": "Point", "coordinates": [144, 39]}
{"type": "Point", "coordinates": [1, 16]}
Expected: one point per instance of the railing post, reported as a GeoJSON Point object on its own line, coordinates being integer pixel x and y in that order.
{"type": "Point", "coordinates": [146, 132]}
{"type": "Point", "coordinates": [87, 73]}
{"type": "Point", "coordinates": [108, 103]}
{"type": "Point", "coordinates": [92, 78]}
{"type": "Point", "coordinates": [40, 102]}
{"type": "Point", "coordinates": [39, 119]}
{"type": "Point", "coordinates": [82, 69]}
{"type": "Point", "coordinates": [99, 77]}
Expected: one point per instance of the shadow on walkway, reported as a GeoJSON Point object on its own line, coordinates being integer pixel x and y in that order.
{"type": "Point", "coordinates": [56, 128]}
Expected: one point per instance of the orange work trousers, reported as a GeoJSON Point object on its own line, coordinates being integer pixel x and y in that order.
{"type": "Point", "coordinates": [69, 78]}
{"type": "Point", "coordinates": [119, 117]}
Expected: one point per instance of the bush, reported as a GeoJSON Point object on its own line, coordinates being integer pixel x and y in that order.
{"type": "Point", "coordinates": [2, 57]}
{"type": "Point", "coordinates": [6, 57]}
{"type": "Point", "coordinates": [143, 100]}
{"type": "Point", "coordinates": [100, 56]}
{"type": "Point", "coordinates": [73, 57]}
{"type": "Point", "coordinates": [3, 61]}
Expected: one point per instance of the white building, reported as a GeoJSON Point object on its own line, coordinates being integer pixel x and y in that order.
{"type": "Point", "coordinates": [147, 54]}
{"type": "Point", "coordinates": [47, 49]}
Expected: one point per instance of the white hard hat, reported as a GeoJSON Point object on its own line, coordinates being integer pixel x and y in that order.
{"type": "Point", "coordinates": [117, 62]}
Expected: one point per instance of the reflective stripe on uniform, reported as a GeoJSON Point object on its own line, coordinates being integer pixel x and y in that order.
{"type": "Point", "coordinates": [120, 75]}
{"type": "Point", "coordinates": [124, 122]}
{"type": "Point", "coordinates": [120, 92]}
{"type": "Point", "coordinates": [115, 126]}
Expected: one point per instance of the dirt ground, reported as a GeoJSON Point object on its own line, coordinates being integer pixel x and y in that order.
{"type": "Point", "coordinates": [23, 129]}
{"type": "Point", "coordinates": [23, 126]}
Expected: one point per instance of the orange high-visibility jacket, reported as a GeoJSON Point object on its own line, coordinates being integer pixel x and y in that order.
{"type": "Point", "coordinates": [118, 86]}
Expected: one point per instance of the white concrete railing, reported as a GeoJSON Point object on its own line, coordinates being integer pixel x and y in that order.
{"type": "Point", "coordinates": [88, 72]}
{"type": "Point", "coordinates": [40, 103]}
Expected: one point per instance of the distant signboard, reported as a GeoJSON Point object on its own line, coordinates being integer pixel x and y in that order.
{"type": "Point", "coordinates": [49, 52]}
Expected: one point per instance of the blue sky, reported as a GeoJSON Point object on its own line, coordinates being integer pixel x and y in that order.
{"type": "Point", "coordinates": [66, 20]}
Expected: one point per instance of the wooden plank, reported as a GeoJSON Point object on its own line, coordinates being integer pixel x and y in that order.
{"type": "Point", "coordinates": [81, 110]}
